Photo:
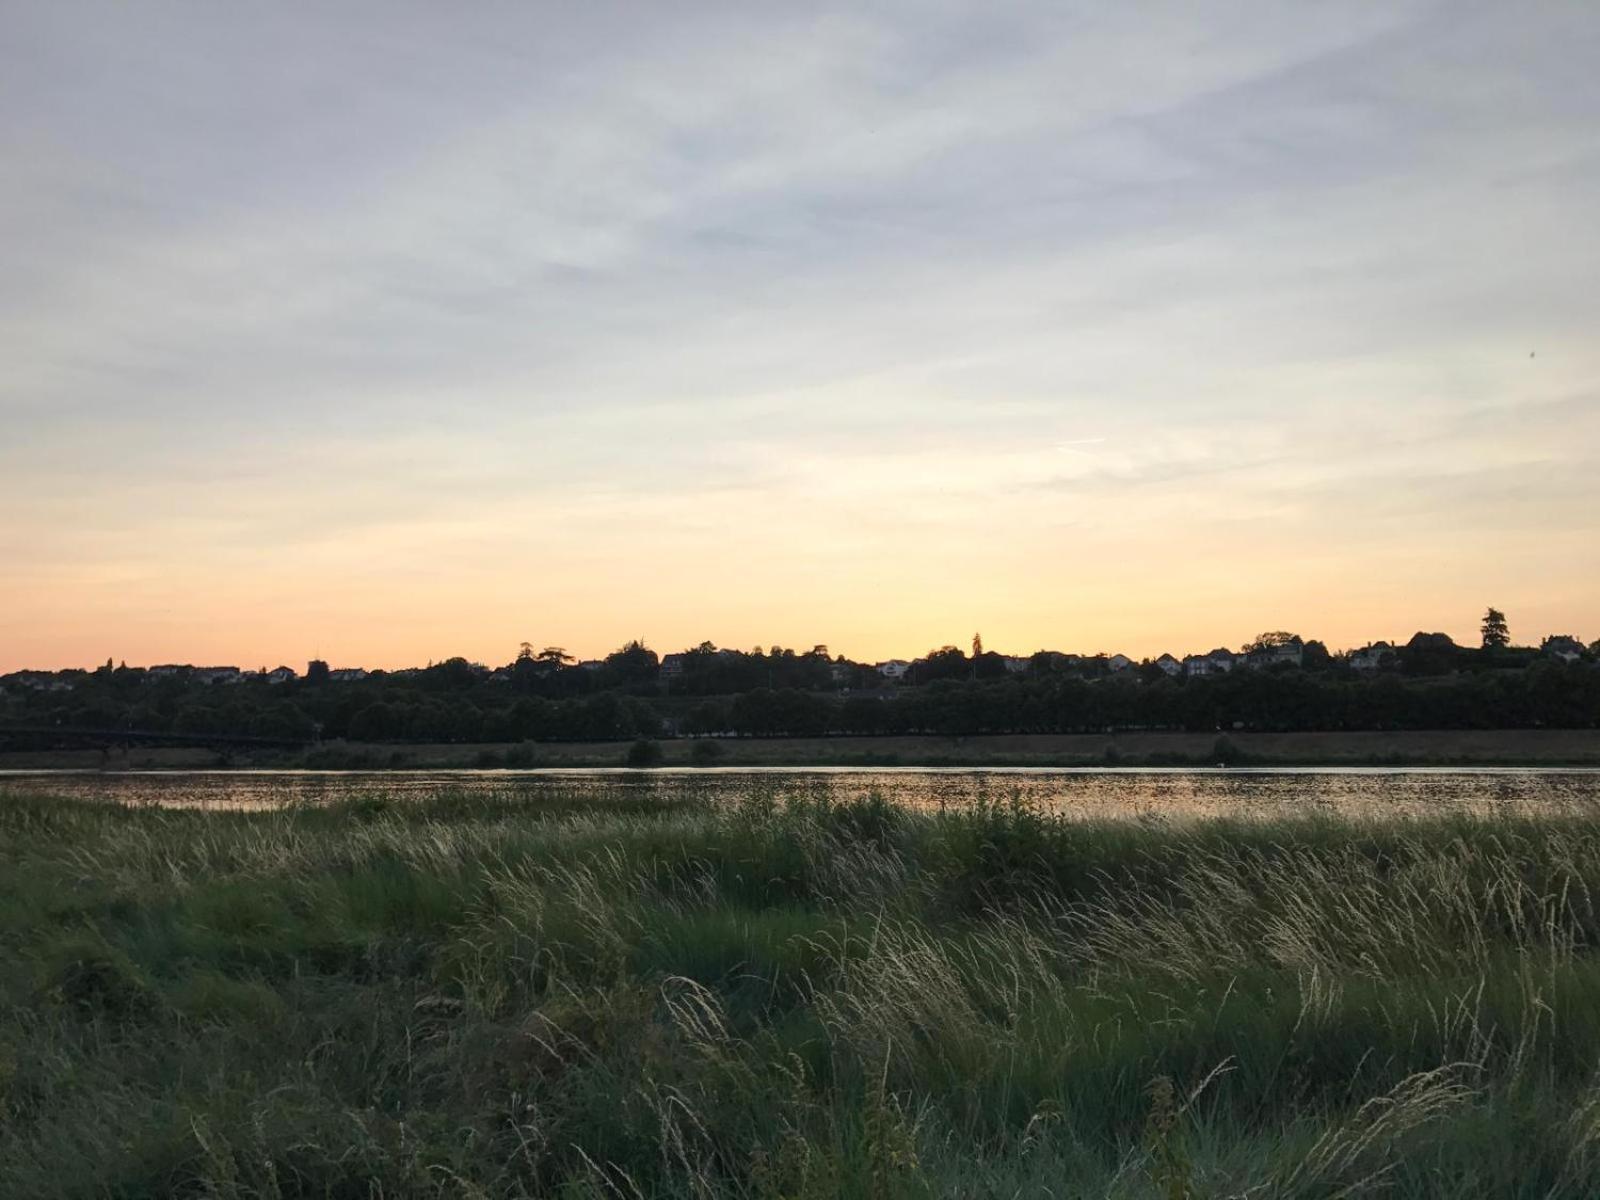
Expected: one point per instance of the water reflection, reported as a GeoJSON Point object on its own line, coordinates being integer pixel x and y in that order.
{"type": "Point", "coordinates": [1124, 793]}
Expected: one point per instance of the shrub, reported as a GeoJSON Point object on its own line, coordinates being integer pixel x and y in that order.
{"type": "Point", "coordinates": [643, 753]}
{"type": "Point", "coordinates": [705, 754]}
{"type": "Point", "coordinates": [1225, 753]}
{"type": "Point", "coordinates": [522, 755]}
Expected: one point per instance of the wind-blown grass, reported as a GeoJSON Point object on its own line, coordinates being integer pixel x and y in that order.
{"type": "Point", "coordinates": [465, 996]}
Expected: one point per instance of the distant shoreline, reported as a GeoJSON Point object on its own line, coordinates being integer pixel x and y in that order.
{"type": "Point", "coordinates": [1507, 747]}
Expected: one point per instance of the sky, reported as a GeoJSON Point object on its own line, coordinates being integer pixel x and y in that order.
{"type": "Point", "coordinates": [384, 332]}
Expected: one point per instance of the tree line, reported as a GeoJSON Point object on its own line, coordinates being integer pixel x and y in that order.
{"type": "Point", "coordinates": [452, 703]}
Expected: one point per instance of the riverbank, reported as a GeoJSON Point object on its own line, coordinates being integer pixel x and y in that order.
{"type": "Point", "coordinates": [470, 997]}
{"type": "Point", "coordinates": [1505, 747]}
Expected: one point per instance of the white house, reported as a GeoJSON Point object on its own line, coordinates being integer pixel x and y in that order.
{"type": "Point", "coordinates": [1016, 664]}
{"type": "Point", "coordinates": [39, 681]}
{"type": "Point", "coordinates": [346, 675]}
{"type": "Point", "coordinates": [894, 668]}
{"type": "Point", "coordinates": [1169, 665]}
{"type": "Point", "coordinates": [1370, 658]}
{"type": "Point", "coordinates": [1119, 662]}
{"type": "Point", "coordinates": [281, 675]}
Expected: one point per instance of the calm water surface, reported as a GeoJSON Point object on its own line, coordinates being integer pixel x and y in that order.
{"type": "Point", "coordinates": [1088, 793]}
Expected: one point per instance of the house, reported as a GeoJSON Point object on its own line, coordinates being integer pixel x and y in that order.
{"type": "Point", "coordinates": [1169, 665]}
{"type": "Point", "coordinates": [591, 664]}
{"type": "Point", "coordinates": [1562, 646]}
{"type": "Point", "coordinates": [281, 675]}
{"type": "Point", "coordinates": [672, 665]}
{"type": "Point", "coordinates": [1016, 664]}
{"type": "Point", "coordinates": [1289, 653]}
{"type": "Point", "coordinates": [39, 681]}
{"type": "Point", "coordinates": [346, 675]}
{"type": "Point", "coordinates": [1119, 662]}
{"type": "Point", "coordinates": [1218, 662]}
{"type": "Point", "coordinates": [894, 668]}
{"type": "Point", "coordinates": [1370, 658]}
{"type": "Point", "coordinates": [206, 675]}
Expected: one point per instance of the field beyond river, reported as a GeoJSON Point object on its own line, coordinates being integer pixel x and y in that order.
{"type": "Point", "coordinates": [1445, 747]}
{"type": "Point", "coordinates": [796, 992]}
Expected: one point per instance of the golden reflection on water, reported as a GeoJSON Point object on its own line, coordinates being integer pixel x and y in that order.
{"type": "Point", "coordinates": [1081, 794]}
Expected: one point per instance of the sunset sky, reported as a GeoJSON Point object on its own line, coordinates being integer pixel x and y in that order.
{"type": "Point", "coordinates": [386, 332]}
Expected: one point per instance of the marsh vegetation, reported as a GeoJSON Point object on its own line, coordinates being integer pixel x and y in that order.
{"type": "Point", "coordinates": [648, 995]}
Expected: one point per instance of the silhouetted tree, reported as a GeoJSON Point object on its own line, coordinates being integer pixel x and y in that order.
{"type": "Point", "coordinates": [453, 674]}
{"type": "Point", "coordinates": [634, 663]}
{"type": "Point", "coordinates": [1268, 641]}
{"type": "Point", "coordinates": [1496, 633]}
{"type": "Point", "coordinates": [1430, 654]}
{"type": "Point", "coordinates": [988, 665]}
{"type": "Point", "coordinates": [374, 723]}
{"type": "Point", "coordinates": [1315, 656]}
{"type": "Point", "coordinates": [945, 663]}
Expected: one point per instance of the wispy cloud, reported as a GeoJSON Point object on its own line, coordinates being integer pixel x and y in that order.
{"type": "Point", "coordinates": [690, 299]}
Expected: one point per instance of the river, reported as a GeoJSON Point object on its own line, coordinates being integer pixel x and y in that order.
{"type": "Point", "coordinates": [1130, 792]}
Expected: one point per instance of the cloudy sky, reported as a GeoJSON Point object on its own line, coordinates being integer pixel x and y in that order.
{"type": "Point", "coordinates": [384, 332]}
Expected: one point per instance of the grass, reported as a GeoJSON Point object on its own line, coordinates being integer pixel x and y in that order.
{"type": "Point", "coordinates": [463, 996]}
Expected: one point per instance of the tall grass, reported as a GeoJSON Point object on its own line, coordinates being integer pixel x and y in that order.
{"type": "Point", "coordinates": [466, 996]}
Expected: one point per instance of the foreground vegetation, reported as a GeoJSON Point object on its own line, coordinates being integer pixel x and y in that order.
{"type": "Point", "coordinates": [462, 997]}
